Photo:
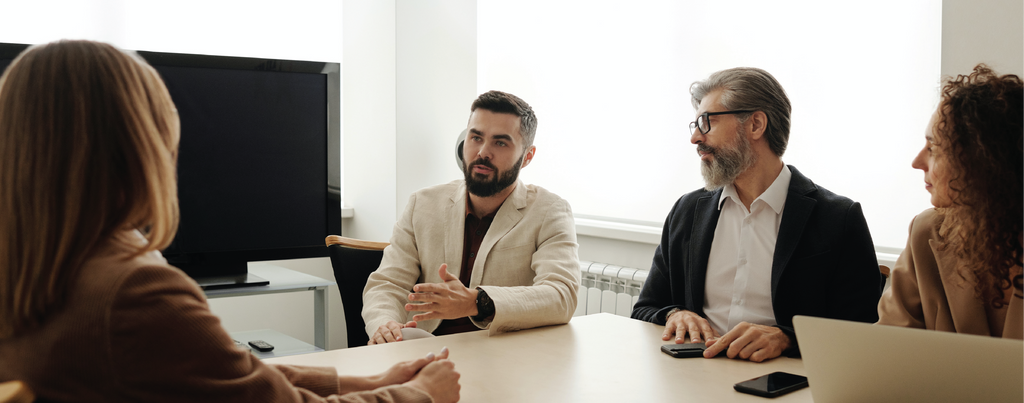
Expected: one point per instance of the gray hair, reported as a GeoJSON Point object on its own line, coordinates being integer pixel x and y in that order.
{"type": "Point", "coordinates": [754, 89]}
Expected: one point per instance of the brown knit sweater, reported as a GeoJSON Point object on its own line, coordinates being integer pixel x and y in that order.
{"type": "Point", "coordinates": [139, 330]}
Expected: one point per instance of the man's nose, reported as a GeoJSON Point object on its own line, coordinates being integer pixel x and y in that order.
{"type": "Point", "coordinates": [697, 137]}
{"type": "Point", "coordinates": [485, 152]}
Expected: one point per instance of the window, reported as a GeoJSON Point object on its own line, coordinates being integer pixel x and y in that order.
{"type": "Point", "coordinates": [610, 80]}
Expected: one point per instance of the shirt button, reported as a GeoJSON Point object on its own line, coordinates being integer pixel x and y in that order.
{"type": "Point", "coordinates": [478, 232]}
{"type": "Point", "coordinates": [471, 254]}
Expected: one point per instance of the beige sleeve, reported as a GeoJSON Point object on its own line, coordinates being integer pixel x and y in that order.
{"type": "Point", "coordinates": [387, 289]}
{"type": "Point", "coordinates": [901, 303]}
{"type": "Point", "coordinates": [552, 298]}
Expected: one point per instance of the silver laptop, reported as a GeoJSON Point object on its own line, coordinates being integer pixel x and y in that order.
{"type": "Point", "coordinates": [860, 362]}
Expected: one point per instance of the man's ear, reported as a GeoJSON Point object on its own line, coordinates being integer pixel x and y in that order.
{"type": "Point", "coordinates": [529, 156]}
{"type": "Point", "coordinates": [757, 125]}
{"type": "Point", "coordinates": [460, 144]}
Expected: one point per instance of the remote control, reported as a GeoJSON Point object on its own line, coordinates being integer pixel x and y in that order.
{"type": "Point", "coordinates": [261, 345]}
{"type": "Point", "coordinates": [240, 345]}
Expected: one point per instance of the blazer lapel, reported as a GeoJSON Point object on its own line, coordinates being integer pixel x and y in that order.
{"type": "Point", "coordinates": [702, 234]}
{"type": "Point", "coordinates": [505, 219]}
{"type": "Point", "coordinates": [794, 218]}
{"type": "Point", "coordinates": [454, 232]}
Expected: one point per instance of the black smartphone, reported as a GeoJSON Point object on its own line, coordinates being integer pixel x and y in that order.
{"type": "Point", "coordinates": [687, 350]}
{"type": "Point", "coordinates": [772, 385]}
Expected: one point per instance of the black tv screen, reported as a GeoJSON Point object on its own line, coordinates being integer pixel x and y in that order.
{"type": "Point", "coordinates": [259, 159]}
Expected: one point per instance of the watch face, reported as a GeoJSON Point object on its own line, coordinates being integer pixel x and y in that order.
{"type": "Point", "coordinates": [484, 304]}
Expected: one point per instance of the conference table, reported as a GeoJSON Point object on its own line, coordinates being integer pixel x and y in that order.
{"type": "Point", "coordinates": [593, 358]}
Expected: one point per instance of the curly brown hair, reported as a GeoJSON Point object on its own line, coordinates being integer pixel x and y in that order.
{"type": "Point", "coordinates": [980, 122]}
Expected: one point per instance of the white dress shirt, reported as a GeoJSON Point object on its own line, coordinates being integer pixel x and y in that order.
{"type": "Point", "coordinates": [738, 285]}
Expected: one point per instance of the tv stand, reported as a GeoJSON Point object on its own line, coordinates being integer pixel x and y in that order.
{"type": "Point", "coordinates": [284, 280]}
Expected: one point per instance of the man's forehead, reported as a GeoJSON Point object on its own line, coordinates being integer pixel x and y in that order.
{"type": "Point", "coordinates": [486, 122]}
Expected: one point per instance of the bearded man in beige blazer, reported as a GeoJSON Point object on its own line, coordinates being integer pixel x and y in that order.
{"type": "Point", "coordinates": [486, 252]}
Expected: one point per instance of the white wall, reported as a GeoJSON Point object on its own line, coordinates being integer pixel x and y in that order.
{"type": "Point", "coordinates": [436, 83]}
{"type": "Point", "coordinates": [369, 127]}
{"type": "Point", "coordinates": [989, 31]}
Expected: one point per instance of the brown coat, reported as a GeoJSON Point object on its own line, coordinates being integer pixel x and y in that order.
{"type": "Point", "coordinates": [140, 330]}
{"type": "Point", "coordinates": [928, 292]}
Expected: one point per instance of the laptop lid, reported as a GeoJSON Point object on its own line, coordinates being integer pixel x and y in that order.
{"type": "Point", "coordinates": [859, 362]}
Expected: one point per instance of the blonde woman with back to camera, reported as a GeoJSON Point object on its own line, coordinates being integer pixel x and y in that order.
{"type": "Point", "coordinates": [961, 269]}
{"type": "Point", "coordinates": [89, 309]}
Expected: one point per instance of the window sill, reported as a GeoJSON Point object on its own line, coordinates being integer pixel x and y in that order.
{"type": "Point", "coordinates": [650, 234]}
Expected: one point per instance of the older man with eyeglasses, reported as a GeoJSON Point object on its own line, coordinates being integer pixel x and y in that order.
{"type": "Point", "coordinates": [760, 242]}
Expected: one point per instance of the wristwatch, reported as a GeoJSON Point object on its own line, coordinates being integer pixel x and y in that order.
{"type": "Point", "coordinates": [484, 305]}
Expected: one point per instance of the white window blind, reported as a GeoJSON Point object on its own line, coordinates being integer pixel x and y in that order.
{"type": "Point", "coordinates": [610, 80]}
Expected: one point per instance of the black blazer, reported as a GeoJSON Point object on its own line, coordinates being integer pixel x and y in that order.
{"type": "Point", "coordinates": [824, 263]}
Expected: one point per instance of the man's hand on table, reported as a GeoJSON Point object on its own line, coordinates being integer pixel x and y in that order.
{"type": "Point", "coordinates": [748, 341]}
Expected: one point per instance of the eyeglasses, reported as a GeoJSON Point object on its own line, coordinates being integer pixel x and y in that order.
{"type": "Point", "coordinates": [704, 124]}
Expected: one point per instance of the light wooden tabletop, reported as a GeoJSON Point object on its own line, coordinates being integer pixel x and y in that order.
{"type": "Point", "coordinates": [595, 358]}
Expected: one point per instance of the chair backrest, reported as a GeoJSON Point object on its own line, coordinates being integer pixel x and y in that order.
{"type": "Point", "coordinates": [353, 260]}
{"type": "Point", "coordinates": [16, 392]}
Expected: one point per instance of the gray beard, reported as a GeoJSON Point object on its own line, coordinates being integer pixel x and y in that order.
{"type": "Point", "coordinates": [728, 164]}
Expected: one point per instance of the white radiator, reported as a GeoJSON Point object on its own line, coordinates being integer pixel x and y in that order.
{"type": "Point", "coordinates": [608, 288]}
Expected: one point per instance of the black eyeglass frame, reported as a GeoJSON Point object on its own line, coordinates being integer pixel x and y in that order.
{"type": "Point", "coordinates": [694, 125]}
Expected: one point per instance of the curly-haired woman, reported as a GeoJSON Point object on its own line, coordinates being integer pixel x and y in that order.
{"type": "Point", "coordinates": [961, 270]}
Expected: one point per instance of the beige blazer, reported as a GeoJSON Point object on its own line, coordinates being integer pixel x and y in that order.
{"type": "Point", "coordinates": [138, 330]}
{"type": "Point", "coordinates": [527, 263]}
{"type": "Point", "coordinates": [927, 291]}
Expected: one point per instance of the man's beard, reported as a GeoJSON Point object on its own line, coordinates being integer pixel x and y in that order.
{"type": "Point", "coordinates": [728, 162]}
{"type": "Point", "coordinates": [486, 188]}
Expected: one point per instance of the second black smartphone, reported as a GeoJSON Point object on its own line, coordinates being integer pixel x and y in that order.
{"type": "Point", "coordinates": [772, 385]}
{"type": "Point", "coordinates": [687, 350]}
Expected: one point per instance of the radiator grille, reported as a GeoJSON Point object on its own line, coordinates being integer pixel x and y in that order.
{"type": "Point", "coordinates": [608, 288]}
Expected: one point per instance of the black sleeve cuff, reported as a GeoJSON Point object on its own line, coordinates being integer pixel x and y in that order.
{"type": "Point", "coordinates": [794, 349]}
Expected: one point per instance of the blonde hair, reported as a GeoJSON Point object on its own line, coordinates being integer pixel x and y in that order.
{"type": "Point", "coordinates": [88, 140]}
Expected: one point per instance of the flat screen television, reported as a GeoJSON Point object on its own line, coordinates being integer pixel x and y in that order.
{"type": "Point", "coordinates": [259, 162]}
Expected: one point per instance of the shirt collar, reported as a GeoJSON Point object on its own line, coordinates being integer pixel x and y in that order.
{"type": "Point", "coordinates": [469, 212]}
{"type": "Point", "coordinates": [774, 196]}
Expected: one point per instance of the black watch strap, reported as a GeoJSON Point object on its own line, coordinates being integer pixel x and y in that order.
{"type": "Point", "coordinates": [484, 305]}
